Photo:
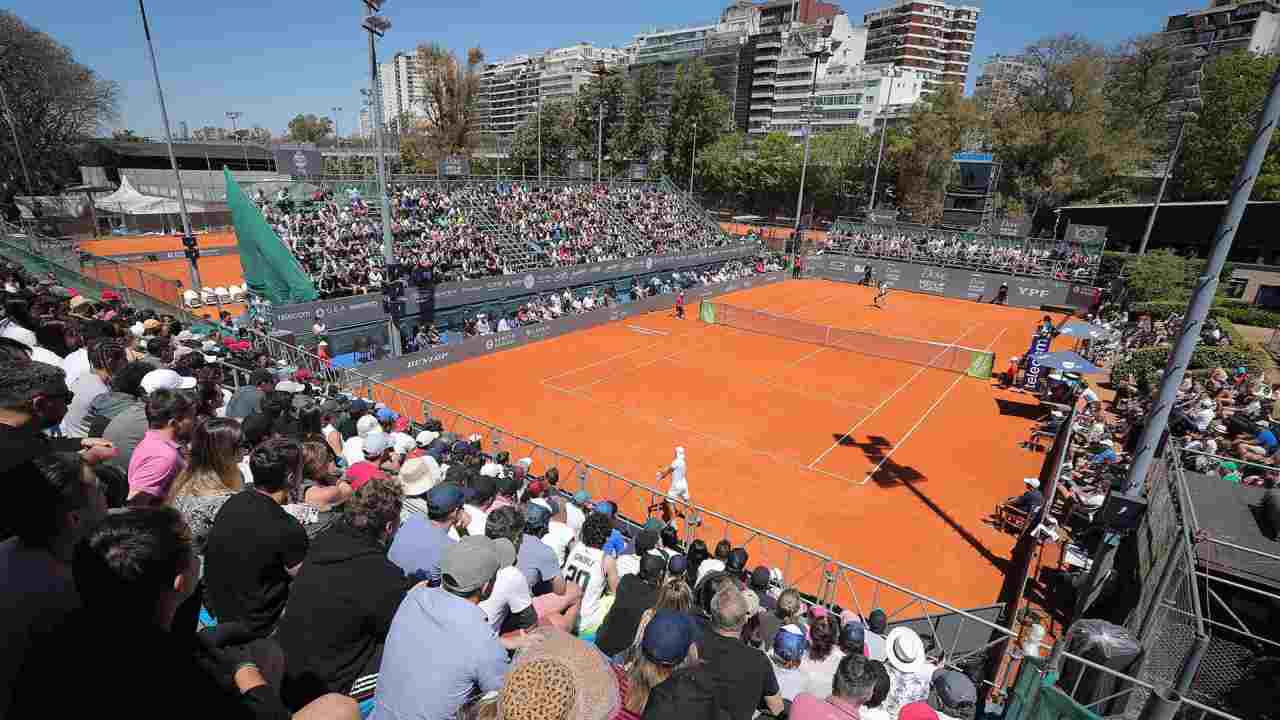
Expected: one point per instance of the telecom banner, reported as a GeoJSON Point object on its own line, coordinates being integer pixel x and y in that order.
{"type": "Point", "coordinates": [1034, 376]}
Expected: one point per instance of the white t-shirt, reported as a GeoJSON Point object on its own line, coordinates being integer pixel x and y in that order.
{"type": "Point", "coordinates": [679, 481]}
{"type": "Point", "coordinates": [586, 567]}
{"type": "Point", "coordinates": [510, 595]}
{"type": "Point", "coordinates": [75, 365]}
{"type": "Point", "coordinates": [574, 518]}
{"type": "Point", "coordinates": [1089, 395]}
{"type": "Point", "coordinates": [478, 519]}
{"type": "Point", "coordinates": [558, 537]}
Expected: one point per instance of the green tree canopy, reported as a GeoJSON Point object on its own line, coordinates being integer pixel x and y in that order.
{"type": "Point", "coordinates": [309, 128]}
{"type": "Point", "coordinates": [1234, 89]}
{"type": "Point", "coordinates": [557, 141]}
{"type": "Point", "coordinates": [699, 116]}
{"type": "Point", "coordinates": [452, 87]}
{"type": "Point", "coordinates": [53, 103]}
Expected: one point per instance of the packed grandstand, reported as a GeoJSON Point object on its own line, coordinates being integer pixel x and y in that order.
{"type": "Point", "coordinates": [466, 230]}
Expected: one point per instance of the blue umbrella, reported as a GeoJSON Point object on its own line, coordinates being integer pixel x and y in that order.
{"type": "Point", "coordinates": [1067, 361]}
{"type": "Point", "coordinates": [1082, 329]}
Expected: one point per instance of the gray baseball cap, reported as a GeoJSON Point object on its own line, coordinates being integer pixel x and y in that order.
{"type": "Point", "coordinates": [473, 561]}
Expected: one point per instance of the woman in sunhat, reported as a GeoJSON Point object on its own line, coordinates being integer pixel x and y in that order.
{"type": "Point", "coordinates": [910, 672]}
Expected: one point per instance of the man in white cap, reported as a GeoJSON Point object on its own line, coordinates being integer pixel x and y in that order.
{"type": "Point", "coordinates": [679, 490]}
{"type": "Point", "coordinates": [353, 448]}
{"type": "Point", "coordinates": [1032, 499]}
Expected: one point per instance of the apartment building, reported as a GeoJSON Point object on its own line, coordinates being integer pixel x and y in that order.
{"type": "Point", "coordinates": [1001, 79]}
{"type": "Point", "coordinates": [931, 36]}
{"type": "Point", "coordinates": [1223, 27]}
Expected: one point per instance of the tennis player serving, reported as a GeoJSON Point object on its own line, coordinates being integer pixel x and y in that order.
{"type": "Point", "coordinates": [679, 489]}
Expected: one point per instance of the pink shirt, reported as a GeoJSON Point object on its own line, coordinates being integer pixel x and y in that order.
{"type": "Point", "coordinates": [809, 707]}
{"type": "Point", "coordinates": [154, 464]}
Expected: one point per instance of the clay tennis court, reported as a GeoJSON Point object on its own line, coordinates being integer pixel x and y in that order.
{"type": "Point", "coordinates": [886, 465]}
{"type": "Point", "coordinates": [215, 271]}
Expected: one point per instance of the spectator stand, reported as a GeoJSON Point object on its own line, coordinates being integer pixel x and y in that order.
{"type": "Point", "coordinates": [1021, 256]}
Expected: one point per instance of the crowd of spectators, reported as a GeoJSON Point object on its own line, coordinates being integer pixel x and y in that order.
{"type": "Point", "coordinates": [277, 551]}
{"type": "Point", "coordinates": [1224, 421]}
{"type": "Point", "coordinates": [456, 231]}
{"type": "Point", "coordinates": [576, 301]}
{"type": "Point", "coordinates": [1018, 256]}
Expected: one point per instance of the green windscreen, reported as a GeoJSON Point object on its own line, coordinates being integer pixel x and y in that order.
{"type": "Point", "coordinates": [270, 269]}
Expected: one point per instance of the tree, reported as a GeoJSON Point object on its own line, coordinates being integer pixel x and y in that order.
{"type": "Point", "coordinates": [638, 136]}
{"type": "Point", "coordinates": [1138, 90]}
{"type": "Point", "coordinates": [840, 165]}
{"type": "Point", "coordinates": [1062, 137]}
{"type": "Point", "coordinates": [605, 92]}
{"type": "Point", "coordinates": [936, 128]}
{"type": "Point", "coordinates": [450, 121]}
{"type": "Point", "coordinates": [125, 135]}
{"type": "Point", "coordinates": [699, 116]}
{"type": "Point", "coordinates": [53, 104]}
{"type": "Point", "coordinates": [309, 128]}
{"type": "Point", "coordinates": [557, 141]}
{"type": "Point", "coordinates": [774, 175]}
{"type": "Point", "coordinates": [1234, 89]}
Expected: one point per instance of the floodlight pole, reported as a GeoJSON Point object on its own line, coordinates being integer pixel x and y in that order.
{"type": "Point", "coordinates": [817, 56]}
{"type": "Point", "coordinates": [693, 154]}
{"type": "Point", "coordinates": [17, 146]}
{"type": "Point", "coordinates": [388, 251]}
{"type": "Point", "coordinates": [188, 238]}
{"type": "Point", "coordinates": [884, 130]}
{"type": "Point", "coordinates": [1202, 296]}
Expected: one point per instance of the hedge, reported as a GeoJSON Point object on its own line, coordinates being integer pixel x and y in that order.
{"type": "Point", "coordinates": [1231, 310]}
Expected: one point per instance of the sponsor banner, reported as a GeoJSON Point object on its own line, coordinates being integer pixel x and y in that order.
{"type": "Point", "coordinates": [300, 161]}
{"type": "Point", "coordinates": [947, 282]}
{"type": "Point", "coordinates": [493, 289]}
{"type": "Point", "coordinates": [1082, 297]}
{"type": "Point", "coordinates": [361, 309]}
{"type": "Point", "coordinates": [1035, 374]}
{"type": "Point", "coordinates": [1087, 234]}
{"type": "Point", "coordinates": [441, 355]}
{"type": "Point", "coordinates": [171, 255]}
{"type": "Point", "coordinates": [335, 314]}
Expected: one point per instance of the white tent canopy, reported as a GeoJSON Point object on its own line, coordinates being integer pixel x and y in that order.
{"type": "Point", "coordinates": [129, 201]}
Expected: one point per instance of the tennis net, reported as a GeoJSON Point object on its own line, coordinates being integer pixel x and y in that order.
{"type": "Point", "coordinates": [954, 358]}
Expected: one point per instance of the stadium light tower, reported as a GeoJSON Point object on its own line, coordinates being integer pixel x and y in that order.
{"type": "Point", "coordinates": [819, 54]}
{"type": "Point", "coordinates": [188, 238]}
{"type": "Point", "coordinates": [377, 25]}
{"type": "Point", "coordinates": [601, 72]}
{"type": "Point", "coordinates": [337, 134]}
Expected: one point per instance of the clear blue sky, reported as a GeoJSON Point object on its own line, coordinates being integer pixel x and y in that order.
{"type": "Point", "coordinates": [271, 60]}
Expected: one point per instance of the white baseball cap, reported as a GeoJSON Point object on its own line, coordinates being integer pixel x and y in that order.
{"type": "Point", "coordinates": [366, 424]}
{"type": "Point", "coordinates": [166, 379]}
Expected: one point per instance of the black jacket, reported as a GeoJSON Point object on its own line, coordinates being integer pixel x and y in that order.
{"type": "Point", "coordinates": [339, 611]}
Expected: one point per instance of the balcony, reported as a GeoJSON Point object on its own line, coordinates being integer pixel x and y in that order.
{"type": "Point", "coordinates": [764, 70]}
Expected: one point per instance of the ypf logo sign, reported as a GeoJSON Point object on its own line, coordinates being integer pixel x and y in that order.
{"type": "Point", "coordinates": [300, 162]}
{"type": "Point", "coordinates": [1033, 292]}
{"type": "Point", "coordinates": [529, 282]}
{"type": "Point", "coordinates": [648, 263]}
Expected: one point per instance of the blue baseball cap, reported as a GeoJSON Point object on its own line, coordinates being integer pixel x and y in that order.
{"type": "Point", "coordinates": [536, 515]}
{"type": "Point", "coordinates": [358, 406]}
{"type": "Point", "coordinates": [444, 498]}
{"type": "Point", "coordinates": [607, 507]}
{"type": "Point", "coordinates": [387, 415]}
{"type": "Point", "coordinates": [853, 633]}
{"type": "Point", "coordinates": [789, 644]}
{"type": "Point", "coordinates": [582, 497]}
{"type": "Point", "coordinates": [667, 637]}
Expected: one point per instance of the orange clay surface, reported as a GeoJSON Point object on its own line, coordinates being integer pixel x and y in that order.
{"type": "Point", "coordinates": [783, 435]}
{"type": "Point", "coordinates": [215, 271]}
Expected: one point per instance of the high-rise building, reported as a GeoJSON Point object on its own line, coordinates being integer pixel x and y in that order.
{"type": "Point", "coordinates": [1223, 27]}
{"type": "Point", "coordinates": [366, 123]}
{"type": "Point", "coordinates": [931, 36]}
{"type": "Point", "coordinates": [783, 75]}
{"type": "Point", "coordinates": [717, 45]}
{"type": "Point", "coordinates": [403, 87]}
{"type": "Point", "coordinates": [1000, 80]}
{"type": "Point", "coordinates": [510, 88]}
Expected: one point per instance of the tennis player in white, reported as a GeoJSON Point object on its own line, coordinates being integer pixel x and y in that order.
{"type": "Point", "coordinates": [679, 489]}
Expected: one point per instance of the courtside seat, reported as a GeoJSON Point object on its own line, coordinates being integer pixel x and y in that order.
{"type": "Point", "coordinates": [208, 296]}
{"type": "Point", "coordinates": [222, 294]}
{"type": "Point", "coordinates": [191, 299]}
{"type": "Point", "coordinates": [237, 293]}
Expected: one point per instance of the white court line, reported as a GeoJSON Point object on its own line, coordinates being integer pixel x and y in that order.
{"type": "Point", "coordinates": [884, 402]}
{"type": "Point", "coordinates": [647, 331]}
{"type": "Point", "coordinates": [658, 422]}
{"type": "Point", "coordinates": [926, 414]}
